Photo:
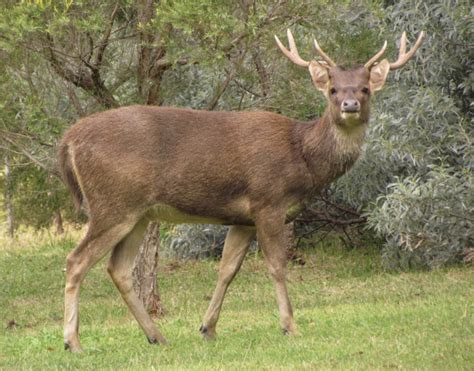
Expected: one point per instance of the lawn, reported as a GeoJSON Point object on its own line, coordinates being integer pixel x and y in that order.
{"type": "Point", "coordinates": [350, 313]}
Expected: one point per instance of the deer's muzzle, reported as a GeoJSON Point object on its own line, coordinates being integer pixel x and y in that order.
{"type": "Point", "coordinates": [350, 105]}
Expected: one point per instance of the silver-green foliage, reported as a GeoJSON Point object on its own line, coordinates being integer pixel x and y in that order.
{"type": "Point", "coordinates": [194, 241]}
{"type": "Point", "coordinates": [427, 221]}
{"type": "Point", "coordinates": [416, 181]}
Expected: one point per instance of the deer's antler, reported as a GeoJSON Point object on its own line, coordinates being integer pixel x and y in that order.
{"type": "Point", "coordinates": [292, 54]}
{"type": "Point", "coordinates": [403, 56]}
{"type": "Point", "coordinates": [323, 55]}
{"type": "Point", "coordinates": [374, 59]}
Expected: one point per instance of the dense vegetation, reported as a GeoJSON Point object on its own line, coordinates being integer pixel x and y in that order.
{"type": "Point", "coordinates": [415, 187]}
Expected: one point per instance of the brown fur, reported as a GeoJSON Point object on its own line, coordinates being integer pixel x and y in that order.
{"type": "Point", "coordinates": [245, 169]}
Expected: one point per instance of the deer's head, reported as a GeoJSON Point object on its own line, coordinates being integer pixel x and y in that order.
{"type": "Point", "coordinates": [348, 91]}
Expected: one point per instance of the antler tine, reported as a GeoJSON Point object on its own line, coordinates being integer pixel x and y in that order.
{"type": "Point", "coordinates": [403, 43]}
{"type": "Point", "coordinates": [375, 58]}
{"type": "Point", "coordinates": [403, 56]}
{"type": "Point", "coordinates": [292, 54]}
{"type": "Point", "coordinates": [323, 55]}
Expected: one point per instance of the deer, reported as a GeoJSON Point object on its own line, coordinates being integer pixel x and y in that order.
{"type": "Point", "coordinates": [252, 171]}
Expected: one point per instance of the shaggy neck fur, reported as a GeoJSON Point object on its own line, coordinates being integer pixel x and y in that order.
{"type": "Point", "coordinates": [331, 146]}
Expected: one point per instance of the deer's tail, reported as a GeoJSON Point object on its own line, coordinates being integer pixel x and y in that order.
{"type": "Point", "coordinates": [69, 176]}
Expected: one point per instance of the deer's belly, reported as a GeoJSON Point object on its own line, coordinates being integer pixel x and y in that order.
{"type": "Point", "coordinates": [239, 211]}
{"type": "Point", "coordinates": [166, 213]}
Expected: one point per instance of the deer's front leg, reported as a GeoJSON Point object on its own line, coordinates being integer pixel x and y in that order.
{"type": "Point", "coordinates": [271, 239]}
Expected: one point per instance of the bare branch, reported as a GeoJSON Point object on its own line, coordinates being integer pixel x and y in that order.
{"type": "Point", "coordinates": [74, 100]}
{"type": "Point", "coordinates": [339, 207]}
{"type": "Point", "coordinates": [244, 88]}
{"type": "Point", "coordinates": [262, 72]}
{"type": "Point", "coordinates": [91, 46]}
{"type": "Point", "coordinates": [90, 82]}
{"type": "Point", "coordinates": [221, 88]}
{"type": "Point", "coordinates": [104, 42]}
{"type": "Point", "coordinates": [33, 158]}
{"type": "Point", "coordinates": [28, 136]}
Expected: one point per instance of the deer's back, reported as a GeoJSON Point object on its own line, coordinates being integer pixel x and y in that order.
{"type": "Point", "coordinates": [194, 161]}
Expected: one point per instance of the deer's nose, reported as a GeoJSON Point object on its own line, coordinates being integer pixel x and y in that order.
{"type": "Point", "coordinates": [350, 105]}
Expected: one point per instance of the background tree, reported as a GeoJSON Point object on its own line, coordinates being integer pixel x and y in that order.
{"type": "Point", "coordinates": [83, 49]}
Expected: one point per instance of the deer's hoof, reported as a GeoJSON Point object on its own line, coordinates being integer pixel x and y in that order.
{"type": "Point", "coordinates": [72, 348]}
{"type": "Point", "coordinates": [290, 331]}
{"type": "Point", "coordinates": [207, 334]}
{"type": "Point", "coordinates": [160, 340]}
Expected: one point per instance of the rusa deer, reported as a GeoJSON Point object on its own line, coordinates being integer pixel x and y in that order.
{"type": "Point", "coordinates": [252, 171]}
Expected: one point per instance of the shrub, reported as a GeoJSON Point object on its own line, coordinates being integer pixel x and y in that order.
{"type": "Point", "coordinates": [427, 222]}
{"type": "Point", "coordinates": [194, 241]}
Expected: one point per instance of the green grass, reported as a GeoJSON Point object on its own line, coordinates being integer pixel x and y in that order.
{"type": "Point", "coordinates": [350, 313]}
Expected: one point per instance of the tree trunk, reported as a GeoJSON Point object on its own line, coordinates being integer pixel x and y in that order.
{"type": "Point", "coordinates": [8, 199]}
{"type": "Point", "coordinates": [58, 222]}
{"type": "Point", "coordinates": [145, 271]}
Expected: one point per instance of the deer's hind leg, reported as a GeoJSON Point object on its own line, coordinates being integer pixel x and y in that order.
{"type": "Point", "coordinates": [271, 239]}
{"type": "Point", "coordinates": [120, 269]}
{"type": "Point", "coordinates": [236, 245]}
{"type": "Point", "coordinates": [97, 242]}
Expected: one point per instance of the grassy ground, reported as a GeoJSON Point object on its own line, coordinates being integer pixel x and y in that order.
{"type": "Point", "coordinates": [350, 314]}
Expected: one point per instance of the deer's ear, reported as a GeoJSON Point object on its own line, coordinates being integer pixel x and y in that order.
{"type": "Point", "coordinates": [378, 75]}
{"type": "Point", "coordinates": [320, 76]}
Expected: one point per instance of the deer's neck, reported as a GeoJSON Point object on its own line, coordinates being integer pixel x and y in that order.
{"type": "Point", "coordinates": [330, 148]}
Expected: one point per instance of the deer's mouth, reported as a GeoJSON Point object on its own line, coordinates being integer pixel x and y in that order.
{"type": "Point", "coordinates": [351, 115]}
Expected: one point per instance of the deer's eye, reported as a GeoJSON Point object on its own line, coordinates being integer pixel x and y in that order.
{"type": "Point", "coordinates": [333, 91]}
{"type": "Point", "coordinates": [365, 90]}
